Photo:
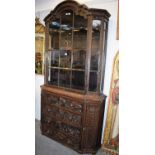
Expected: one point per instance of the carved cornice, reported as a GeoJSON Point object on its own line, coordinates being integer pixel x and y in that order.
{"type": "Point", "coordinates": [79, 9]}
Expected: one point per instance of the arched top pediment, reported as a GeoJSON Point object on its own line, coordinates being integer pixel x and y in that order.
{"type": "Point", "coordinates": [77, 8]}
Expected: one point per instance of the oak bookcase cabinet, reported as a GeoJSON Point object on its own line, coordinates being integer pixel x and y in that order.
{"type": "Point", "coordinates": [72, 100]}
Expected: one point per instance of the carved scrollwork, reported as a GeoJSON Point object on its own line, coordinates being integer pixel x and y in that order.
{"type": "Point", "coordinates": [51, 99]}
{"type": "Point", "coordinates": [61, 131]}
{"type": "Point", "coordinates": [69, 117]}
{"type": "Point", "coordinates": [62, 102]}
{"type": "Point", "coordinates": [60, 114]}
{"type": "Point", "coordinates": [71, 105]}
{"type": "Point", "coordinates": [70, 131]}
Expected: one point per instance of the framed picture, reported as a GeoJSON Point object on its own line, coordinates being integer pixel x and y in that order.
{"type": "Point", "coordinates": [111, 132]}
{"type": "Point", "coordinates": [39, 46]}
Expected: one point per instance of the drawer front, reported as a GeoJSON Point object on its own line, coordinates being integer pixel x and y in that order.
{"type": "Point", "coordinates": [48, 98]}
{"type": "Point", "coordinates": [73, 105]}
{"type": "Point", "coordinates": [62, 115]}
{"type": "Point", "coordinates": [61, 132]}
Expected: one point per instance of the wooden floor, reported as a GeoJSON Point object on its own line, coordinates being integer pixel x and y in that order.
{"type": "Point", "coordinates": [46, 146]}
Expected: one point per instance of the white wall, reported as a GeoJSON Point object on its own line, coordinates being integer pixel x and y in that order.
{"type": "Point", "coordinates": [112, 48]}
{"type": "Point", "coordinates": [112, 45]}
{"type": "Point", "coordinates": [39, 80]}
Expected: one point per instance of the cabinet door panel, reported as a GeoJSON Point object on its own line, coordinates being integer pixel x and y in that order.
{"type": "Point", "coordinates": [92, 115]}
{"type": "Point", "coordinates": [90, 138]}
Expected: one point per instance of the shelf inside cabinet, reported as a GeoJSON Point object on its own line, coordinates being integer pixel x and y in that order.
{"type": "Point", "coordinates": [74, 69]}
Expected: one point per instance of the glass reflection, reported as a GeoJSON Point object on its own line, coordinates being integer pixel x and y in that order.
{"type": "Point", "coordinates": [54, 32]}
{"type": "Point", "coordinates": [55, 58]}
{"type": "Point", "coordinates": [65, 59]}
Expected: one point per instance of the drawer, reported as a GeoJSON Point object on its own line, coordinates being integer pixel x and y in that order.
{"type": "Point", "coordinates": [61, 132]}
{"type": "Point", "coordinates": [67, 103]}
{"type": "Point", "coordinates": [50, 110]}
{"type": "Point", "coordinates": [70, 131]}
{"type": "Point", "coordinates": [62, 115]}
{"type": "Point", "coordinates": [71, 104]}
{"type": "Point", "coordinates": [71, 118]}
{"type": "Point", "coordinates": [50, 99]}
{"type": "Point", "coordinates": [62, 127]}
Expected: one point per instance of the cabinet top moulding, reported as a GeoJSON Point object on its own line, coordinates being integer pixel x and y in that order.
{"type": "Point", "coordinates": [81, 10]}
{"type": "Point", "coordinates": [61, 92]}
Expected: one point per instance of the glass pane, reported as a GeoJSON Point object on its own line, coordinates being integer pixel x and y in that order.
{"type": "Point", "coordinates": [55, 58]}
{"type": "Point", "coordinates": [66, 30]}
{"type": "Point", "coordinates": [93, 81]}
{"type": "Point", "coordinates": [64, 78]}
{"type": "Point", "coordinates": [66, 39]}
{"type": "Point", "coordinates": [67, 19]}
{"type": "Point", "coordinates": [79, 57]}
{"type": "Point", "coordinates": [54, 32]}
{"type": "Point", "coordinates": [53, 76]}
{"type": "Point", "coordinates": [80, 22]}
{"type": "Point", "coordinates": [78, 79]}
{"type": "Point", "coordinates": [65, 59]}
{"type": "Point", "coordinates": [95, 44]}
{"type": "Point", "coordinates": [80, 33]}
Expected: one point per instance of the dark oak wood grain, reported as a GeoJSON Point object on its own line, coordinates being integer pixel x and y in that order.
{"type": "Point", "coordinates": [73, 119]}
